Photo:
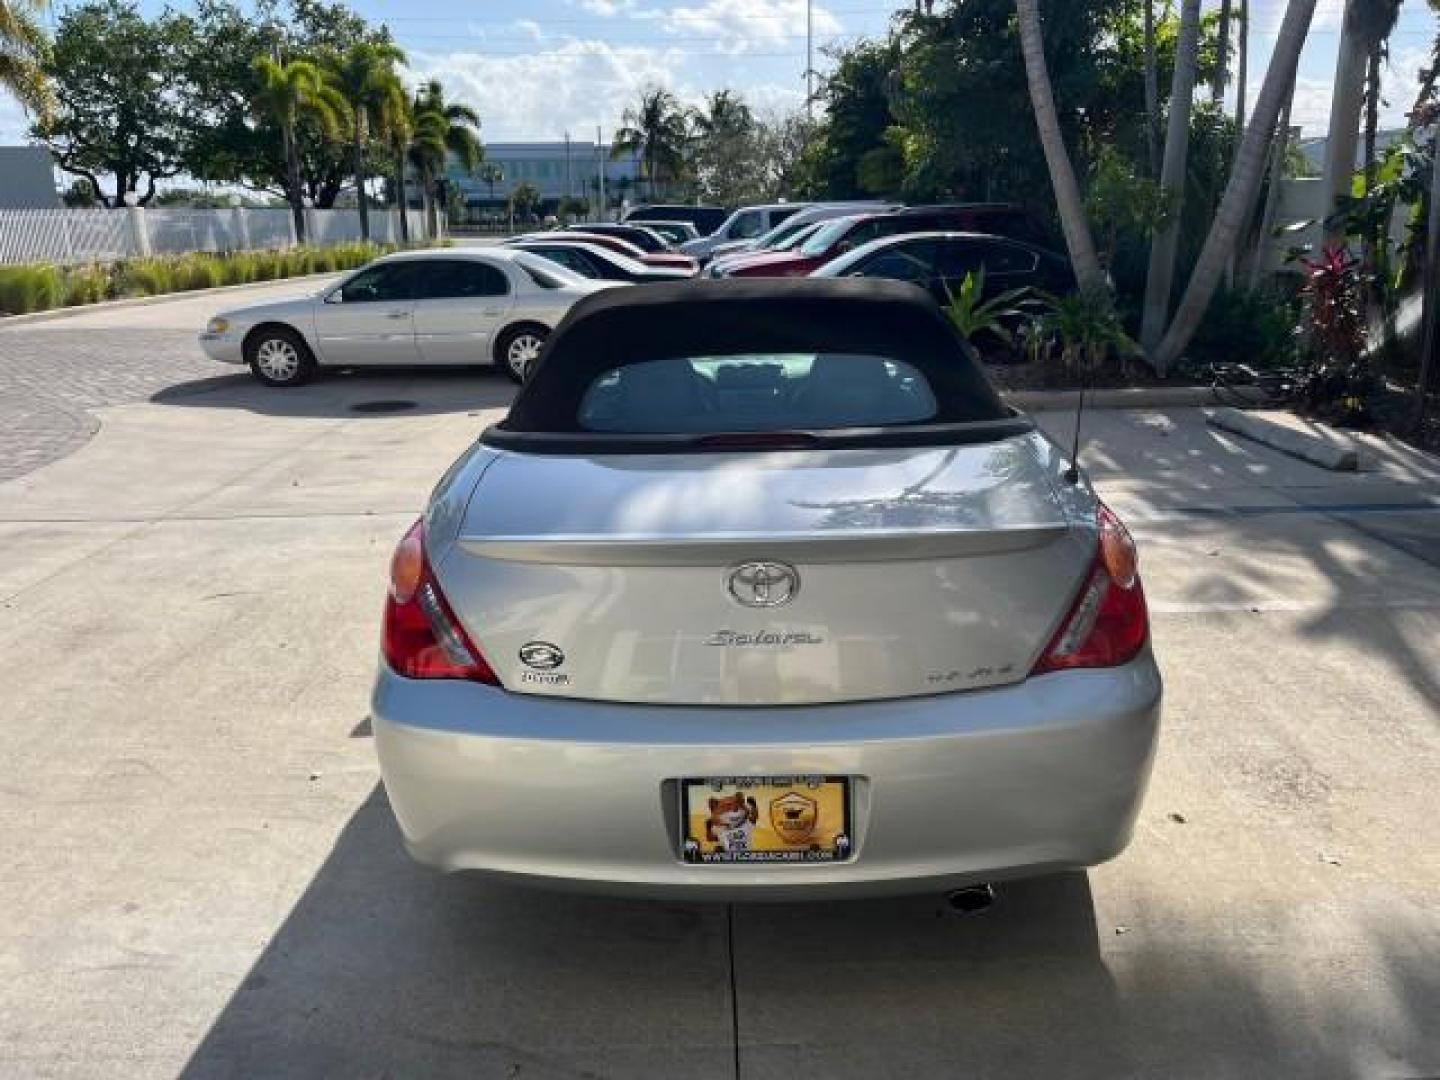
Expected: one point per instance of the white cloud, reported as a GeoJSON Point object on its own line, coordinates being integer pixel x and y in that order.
{"type": "Point", "coordinates": [607, 7]}
{"type": "Point", "coordinates": [573, 85]}
{"type": "Point", "coordinates": [746, 25]}
{"type": "Point", "coordinates": [1399, 83]}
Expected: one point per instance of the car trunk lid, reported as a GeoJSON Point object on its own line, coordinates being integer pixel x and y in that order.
{"type": "Point", "coordinates": [794, 577]}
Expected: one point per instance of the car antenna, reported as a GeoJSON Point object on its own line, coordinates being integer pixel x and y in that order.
{"type": "Point", "coordinates": [1072, 473]}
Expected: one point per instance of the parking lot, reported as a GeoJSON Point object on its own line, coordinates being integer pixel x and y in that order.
{"type": "Point", "coordinates": [202, 876]}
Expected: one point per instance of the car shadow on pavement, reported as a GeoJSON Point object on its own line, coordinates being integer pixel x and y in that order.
{"type": "Point", "coordinates": [383, 968]}
{"type": "Point", "coordinates": [409, 391]}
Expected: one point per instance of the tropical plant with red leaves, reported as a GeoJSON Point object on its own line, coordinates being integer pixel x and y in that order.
{"type": "Point", "coordinates": [1339, 381]}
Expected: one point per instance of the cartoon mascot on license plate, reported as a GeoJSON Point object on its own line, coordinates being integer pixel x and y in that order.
{"type": "Point", "coordinates": [732, 821]}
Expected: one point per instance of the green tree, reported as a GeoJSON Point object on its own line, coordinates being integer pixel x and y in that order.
{"type": "Point", "coordinates": [364, 75]}
{"type": "Point", "coordinates": [725, 150]}
{"type": "Point", "coordinates": [490, 174]}
{"type": "Point", "coordinates": [116, 112]}
{"type": "Point", "coordinates": [655, 131]}
{"type": "Point", "coordinates": [441, 128]}
{"type": "Point", "coordinates": [23, 49]}
{"type": "Point", "coordinates": [524, 200]}
{"type": "Point", "coordinates": [857, 117]}
{"type": "Point", "coordinates": [290, 91]}
{"type": "Point", "coordinates": [228, 141]}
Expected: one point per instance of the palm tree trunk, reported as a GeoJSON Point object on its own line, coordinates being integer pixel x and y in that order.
{"type": "Point", "coordinates": [1345, 105]}
{"type": "Point", "coordinates": [357, 166]}
{"type": "Point", "coordinates": [292, 181]}
{"type": "Point", "coordinates": [400, 200]}
{"type": "Point", "coordinates": [1078, 240]}
{"type": "Point", "coordinates": [1152, 92]}
{"type": "Point", "coordinates": [1373, 233]}
{"type": "Point", "coordinates": [1222, 69]}
{"type": "Point", "coordinates": [1244, 183]}
{"type": "Point", "coordinates": [1280, 148]}
{"type": "Point", "coordinates": [1160, 280]}
{"type": "Point", "coordinates": [1243, 68]}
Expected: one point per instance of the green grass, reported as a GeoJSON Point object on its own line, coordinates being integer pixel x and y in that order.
{"type": "Point", "coordinates": [40, 287]}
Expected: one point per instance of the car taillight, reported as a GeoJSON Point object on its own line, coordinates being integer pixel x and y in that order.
{"type": "Point", "coordinates": [1108, 624]}
{"type": "Point", "coordinates": [421, 638]}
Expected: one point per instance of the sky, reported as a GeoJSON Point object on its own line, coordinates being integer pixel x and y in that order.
{"type": "Point", "coordinates": [537, 69]}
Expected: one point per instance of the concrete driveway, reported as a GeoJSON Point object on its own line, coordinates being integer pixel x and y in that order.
{"type": "Point", "coordinates": [201, 876]}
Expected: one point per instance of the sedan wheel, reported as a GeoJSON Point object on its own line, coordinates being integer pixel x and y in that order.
{"type": "Point", "coordinates": [519, 351]}
{"type": "Point", "coordinates": [280, 358]}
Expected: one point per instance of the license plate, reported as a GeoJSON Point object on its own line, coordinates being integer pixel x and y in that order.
{"type": "Point", "coordinates": [769, 819]}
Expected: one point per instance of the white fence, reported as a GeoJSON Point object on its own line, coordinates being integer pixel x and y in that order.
{"type": "Point", "coordinates": [80, 236]}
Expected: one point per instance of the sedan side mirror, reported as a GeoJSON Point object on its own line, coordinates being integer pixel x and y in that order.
{"type": "Point", "coordinates": [334, 296]}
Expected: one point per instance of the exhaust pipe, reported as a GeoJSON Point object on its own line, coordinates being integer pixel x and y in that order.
{"type": "Point", "coordinates": [971, 900]}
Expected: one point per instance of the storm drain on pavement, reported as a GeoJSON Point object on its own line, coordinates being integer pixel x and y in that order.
{"type": "Point", "coordinates": [382, 406]}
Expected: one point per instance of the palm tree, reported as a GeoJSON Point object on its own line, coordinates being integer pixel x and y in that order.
{"type": "Point", "coordinates": [364, 75]}
{"type": "Point", "coordinates": [1222, 68]}
{"type": "Point", "coordinates": [1363, 31]}
{"type": "Point", "coordinates": [655, 132]}
{"type": "Point", "coordinates": [491, 174]}
{"type": "Point", "coordinates": [23, 48]}
{"type": "Point", "coordinates": [1078, 240]}
{"type": "Point", "coordinates": [1238, 202]}
{"type": "Point", "coordinates": [442, 128]}
{"type": "Point", "coordinates": [289, 91]}
{"type": "Point", "coordinates": [397, 125]}
{"type": "Point", "coordinates": [1152, 92]}
{"type": "Point", "coordinates": [725, 113]}
{"type": "Point", "coordinates": [1161, 276]}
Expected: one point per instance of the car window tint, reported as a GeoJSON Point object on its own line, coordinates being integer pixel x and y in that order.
{"type": "Point", "coordinates": [456, 279]}
{"type": "Point", "coordinates": [571, 260]}
{"type": "Point", "coordinates": [747, 225]}
{"type": "Point", "coordinates": [866, 231]}
{"type": "Point", "coordinates": [793, 391]}
{"type": "Point", "coordinates": [903, 262]}
{"type": "Point", "coordinates": [1008, 259]}
{"type": "Point", "coordinates": [955, 260]}
{"type": "Point", "coordinates": [380, 284]}
{"type": "Point", "coordinates": [826, 235]}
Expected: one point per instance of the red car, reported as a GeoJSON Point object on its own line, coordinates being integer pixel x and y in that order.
{"type": "Point", "coordinates": [834, 238]}
{"type": "Point", "coordinates": [668, 259]}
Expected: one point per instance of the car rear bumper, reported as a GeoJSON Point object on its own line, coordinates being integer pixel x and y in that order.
{"type": "Point", "coordinates": [949, 790]}
{"type": "Point", "coordinates": [224, 348]}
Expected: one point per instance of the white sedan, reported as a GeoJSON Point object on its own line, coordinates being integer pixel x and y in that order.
{"type": "Point", "coordinates": [445, 306]}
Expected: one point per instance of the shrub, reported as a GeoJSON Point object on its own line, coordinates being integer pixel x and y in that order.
{"type": "Point", "coordinates": [144, 277]}
{"type": "Point", "coordinates": [24, 289]}
{"type": "Point", "coordinates": [1244, 326]}
{"type": "Point", "coordinates": [86, 284]}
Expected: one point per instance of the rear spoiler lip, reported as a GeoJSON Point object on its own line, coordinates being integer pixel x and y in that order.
{"type": "Point", "coordinates": [831, 546]}
{"type": "Point", "coordinates": [594, 443]}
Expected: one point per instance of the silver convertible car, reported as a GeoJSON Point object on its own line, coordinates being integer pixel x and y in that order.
{"type": "Point", "coordinates": [760, 592]}
{"type": "Point", "coordinates": [445, 306]}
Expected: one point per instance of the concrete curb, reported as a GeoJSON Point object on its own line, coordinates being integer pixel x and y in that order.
{"type": "Point", "coordinates": [1139, 397]}
{"type": "Point", "coordinates": [146, 301]}
{"type": "Point", "coordinates": [1297, 444]}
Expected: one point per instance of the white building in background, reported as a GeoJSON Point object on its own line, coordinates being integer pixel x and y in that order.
{"type": "Point", "coordinates": [558, 170]}
{"type": "Point", "coordinates": [27, 179]}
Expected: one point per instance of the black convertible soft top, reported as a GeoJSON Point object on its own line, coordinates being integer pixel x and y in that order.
{"type": "Point", "coordinates": [617, 327]}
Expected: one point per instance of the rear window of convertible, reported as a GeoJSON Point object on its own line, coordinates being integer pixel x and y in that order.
{"type": "Point", "coordinates": [756, 392]}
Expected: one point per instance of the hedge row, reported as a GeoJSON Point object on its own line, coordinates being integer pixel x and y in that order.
{"type": "Point", "coordinates": [40, 287]}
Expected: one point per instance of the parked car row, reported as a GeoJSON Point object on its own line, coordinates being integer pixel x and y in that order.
{"type": "Point", "coordinates": [498, 304]}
